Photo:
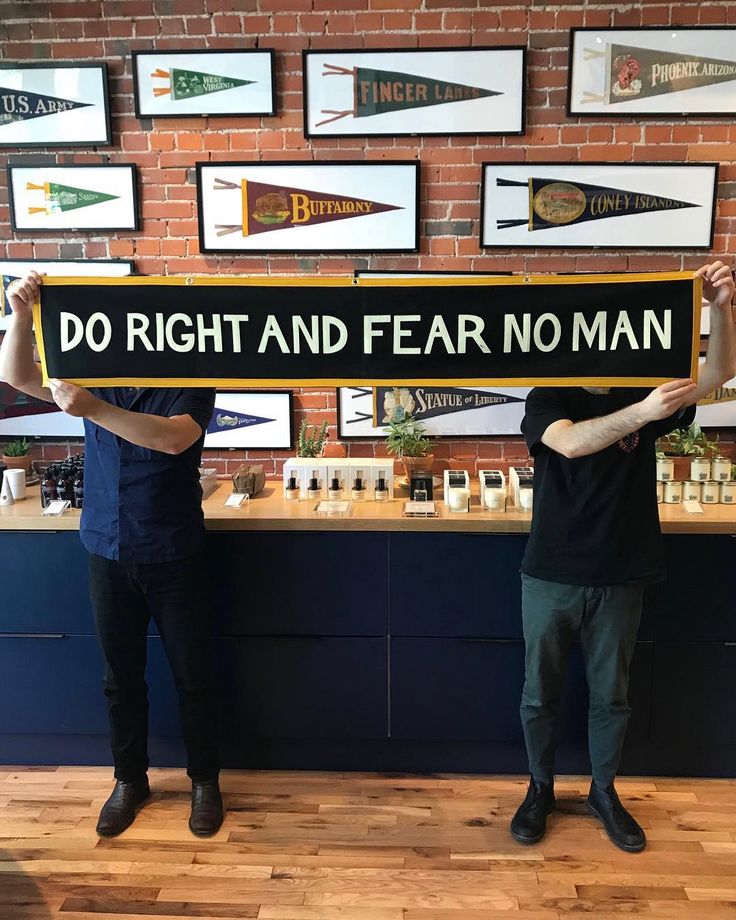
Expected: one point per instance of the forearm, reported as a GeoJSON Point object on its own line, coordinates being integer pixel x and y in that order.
{"type": "Point", "coordinates": [154, 432]}
{"type": "Point", "coordinates": [720, 359]}
{"type": "Point", "coordinates": [583, 438]}
{"type": "Point", "coordinates": [17, 366]}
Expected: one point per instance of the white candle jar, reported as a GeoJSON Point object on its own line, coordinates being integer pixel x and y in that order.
{"type": "Point", "coordinates": [660, 492]}
{"type": "Point", "coordinates": [495, 499]}
{"type": "Point", "coordinates": [728, 493]}
{"type": "Point", "coordinates": [665, 469]}
{"type": "Point", "coordinates": [721, 469]}
{"type": "Point", "coordinates": [692, 491]}
{"type": "Point", "coordinates": [672, 493]}
{"type": "Point", "coordinates": [700, 470]}
{"type": "Point", "coordinates": [711, 493]}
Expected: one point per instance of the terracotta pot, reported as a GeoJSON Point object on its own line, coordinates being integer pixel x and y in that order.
{"type": "Point", "coordinates": [682, 468]}
{"type": "Point", "coordinates": [415, 464]}
{"type": "Point", "coordinates": [18, 463]}
{"type": "Point", "coordinates": [333, 449]}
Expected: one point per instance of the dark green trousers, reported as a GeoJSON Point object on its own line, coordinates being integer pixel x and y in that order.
{"type": "Point", "coordinates": [605, 621]}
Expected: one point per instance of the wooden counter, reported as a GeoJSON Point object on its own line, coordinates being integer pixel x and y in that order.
{"type": "Point", "coordinates": [269, 511]}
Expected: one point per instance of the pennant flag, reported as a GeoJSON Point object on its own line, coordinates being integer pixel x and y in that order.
{"type": "Point", "coordinates": [65, 197]}
{"type": "Point", "coordinates": [186, 84]}
{"type": "Point", "coordinates": [379, 91]}
{"type": "Point", "coordinates": [230, 420]}
{"type": "Point", "coordinates": [556, 203]}
{"type": "Point", "coordinates": [394, 404]}
{"type": "Point", "coordinates": [21, 105]}
{"type": "Point", "coordinates": [639, 73]}
{"type": "Point", "coordinates": [720, 395]}
{"type": "Point", "coordinates": [277, 207]}
{"type": "Point", "coordinates": [5, 282]}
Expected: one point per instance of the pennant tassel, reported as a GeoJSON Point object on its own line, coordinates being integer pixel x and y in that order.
{"type": "Point", "coordinates": [333, 70]}
{"type": "Point", "coordinates": [224, 229]}
{"type": "Point", "coordinates": [591, 54]}
{"type": "Point", "coordinates": [32, 187]}
{"type": "Point", "coordinates": [36, 210]}
{"type": "Point", "coordinates": [224, 184]}
{"type": "Point", "coordinates": [592, 97]}
{"type": "Point", "coordinates": [502, 183]}
{"type": "Point", "coordinates": [336, 116]}
{"type": "Point", "coordinates": [507, 224]}
{"type": "Point", "coordinates": [161, 74]}
{"type": "Point", "coordinates": [161, 91]}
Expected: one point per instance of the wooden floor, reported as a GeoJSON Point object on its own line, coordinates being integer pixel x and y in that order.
{"type": "Point", "coordinates": [353, 846]}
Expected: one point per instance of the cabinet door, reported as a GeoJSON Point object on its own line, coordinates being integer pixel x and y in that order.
{"type": "Point", "coordinates": [44, 583]}
{"type": "Point", "coordinates": [302, 584]}
{"type": "Point", "coordinates": [302, 688]}
{"type": "Point", "coordinates": [697, 601]}
{"type": "Point", "coordinates": [456, 585]}
{"type": "Point", "coordinates": [51, 686]}
{"type": "Point", "coordinates": [694, 693]}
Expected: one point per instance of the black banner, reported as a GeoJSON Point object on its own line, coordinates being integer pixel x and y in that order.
{"type": "Point", "coordinates": [593, 329]}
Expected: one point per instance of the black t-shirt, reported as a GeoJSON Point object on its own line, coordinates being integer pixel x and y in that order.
{"type": "Point", "coordinates": [595, 519]}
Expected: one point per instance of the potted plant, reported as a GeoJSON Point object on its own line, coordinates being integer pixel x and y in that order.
{"type": "Point", "coordinates": [311, 444]}
{"type": "Point", "coordinates": [17, 455]}
{"type": "Point", "coordinates": [405, 439]}
{"type": "Point", "coordinates": [683, 446]}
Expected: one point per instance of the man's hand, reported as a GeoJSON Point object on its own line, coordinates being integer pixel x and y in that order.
{"type": "Point", "coordinates": [73, 399]}
{"type": "Point", "coordinates": [23, 293]}
{"type": "Point", "coordinates": [667, 399]}
{"type": "Point", "coordinates": [718, 286]}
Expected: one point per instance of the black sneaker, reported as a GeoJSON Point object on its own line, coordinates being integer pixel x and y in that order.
{"type": "Point", "coordinates": [207, 810]}
{"type": "Point", "coordinates": [119, 811]}
{"type": "Point", "coordinates": [530, 821]}
{"type": "Point", "coordinates": [620, 826]}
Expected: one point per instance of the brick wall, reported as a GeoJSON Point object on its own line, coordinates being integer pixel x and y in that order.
{"type": "Point", "coordinates": [165, 151]}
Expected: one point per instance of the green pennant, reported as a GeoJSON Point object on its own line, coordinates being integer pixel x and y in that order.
{"type": "Point", "coordinates": [188, 84]}
{"type": "Point", "coordinates": [61, 198]}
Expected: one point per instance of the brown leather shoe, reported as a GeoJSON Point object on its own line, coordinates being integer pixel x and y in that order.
{"type": "Point", "coordinates": [120, 809]}
{"type": "Point", "coordinates": [207, 811]}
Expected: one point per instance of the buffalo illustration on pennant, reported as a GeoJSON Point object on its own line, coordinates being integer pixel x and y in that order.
{"type": "Point", "coordinates": [21, 105]}
{"type": "Point", "coordinates": [277, 207]}
{"type": "Point", "coordinates": [231, 420]}
{"type": "Point", "coordinates": [188, 84]}
{"type": "Point", "coordinates": [378, 91]}
{"type": "Point", "coordinates": [558, 203]}
{"type": "Point", "coordinates": [639, 73]}
{"type": "Point", "coordinates": [60, 198]}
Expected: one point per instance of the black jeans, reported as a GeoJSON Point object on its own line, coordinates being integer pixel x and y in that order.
{"type": "Point", "coordinates": [124, 598]}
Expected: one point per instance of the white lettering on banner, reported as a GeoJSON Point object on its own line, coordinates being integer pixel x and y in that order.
{"type": "Point", "coordinates": [556, 333]}
{"type": "Point", "coordinates": [66, 322]}
{"type": "Point", "coordinates": [332, 322]}
{"type": "Point", "coordinates": [138, 324]}
{"type": "Point", "coordinates": [401, 333]}
{"type": "Point", "coordinates": [523, 334]}
{"type": "Point", "coordinates": [438, 330]}
{"type": "Point", "coordinates": [273, 330]}
{"type": "Point", "coordinates": [597, 327]}
{"type": "Point", "coordinates": [623, 327]}
{"type": "Point", "coordinates": [89, 332]}
{"type": "Point", "coordinates": [187, 338]}
{"type": "Point", "coordinates": [235, 320]}
{"type": "Point", "coordinates": [205, 332]}
{"type": "Point", "coordinates": [311, 335]}
{"type": "Point", "coordinates": [664, 334]}
{"type": "Point", "coordinates": [369, 333]}
{"type": "Point", "coordinates": [470, 327]}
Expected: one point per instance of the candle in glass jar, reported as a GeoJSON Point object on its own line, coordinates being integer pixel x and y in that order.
{"type": "Point", "coordinates": [459, 499]}
{"type": "Point", "coordinates": [672, 492]}
{"type": "Point", "coordinates": [721, 469]}
{"type": "Point", "coordinates": [665, 469]}
{"type": "Point", "coordinates": [692, 491]}
{"type": "Point", "coordinates": [711, 493]}
{"type": "Point", "coordinates": [728, 493]}
{"type": "Point", "coordinates": [700, 469]}
{"type": "Point", "coordinates": [660, 491]}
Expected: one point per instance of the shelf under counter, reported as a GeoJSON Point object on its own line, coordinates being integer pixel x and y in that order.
{"type": "Point", "coordinates": [269, 511]}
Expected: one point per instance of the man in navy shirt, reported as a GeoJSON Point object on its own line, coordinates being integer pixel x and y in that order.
{"type": "Point", "coordinates": [143, 527]}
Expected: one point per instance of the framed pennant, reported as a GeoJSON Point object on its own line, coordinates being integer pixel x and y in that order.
{"type": "Point", "coordinates": [407, 92]}
{"type": "Point", "coordinates": [445, 411]}
{"type": "Point", "coordinates": [10, 269]}
{"type": "Point", "coordinates": [52, 198]}
{"type": "Point", "coordinates": [54, 105]}
{"type": "Point", "coordinates": [174, 84]}
{"type": "Point", "coordinates": [251, 420]}
{"type": "Point", "coordinates": [308, 207]}
{"type": "Point", "coordinates": [621, 206]}
{"type": "Point", "coordinates": [662, 70]}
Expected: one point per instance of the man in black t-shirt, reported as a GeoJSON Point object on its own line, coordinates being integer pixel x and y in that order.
{"type": "Point", "coordinates": [595, 543]}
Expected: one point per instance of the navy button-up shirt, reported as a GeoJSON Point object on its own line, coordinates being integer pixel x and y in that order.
{"type": "Point", "coordinates": [141, 505]}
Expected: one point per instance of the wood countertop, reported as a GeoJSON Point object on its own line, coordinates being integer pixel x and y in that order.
{"type": "Point", "coordinates": [269, 511]}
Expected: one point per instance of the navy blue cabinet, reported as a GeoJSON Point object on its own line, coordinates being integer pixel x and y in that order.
{"type": "Point", "coordinates": [326, 584]}
{"type": "Point", "coordinates": [456, 585]}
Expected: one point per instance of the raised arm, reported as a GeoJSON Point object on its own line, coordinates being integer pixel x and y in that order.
{"type": "Point", "coordinates": [579, 439]}
{"type": "Point", "coordinates": [720, 359]}
{"type": "Point", "coordinates": [17, 366]}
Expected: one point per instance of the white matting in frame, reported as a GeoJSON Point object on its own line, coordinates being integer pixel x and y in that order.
{"type": "Point", "coordinates": [308, 207]}
{"type": "Point", "coordinates": [652, 206]}
{"type": "Point", "coordinates": [59, 105]}
{"type": "Point", "coordinates": [405, 92]}
{"type": "Point", "coordinates": [355, 407]}
{"type": "Point", "coordinates": [10, 269]}
{"type": "Point", "coordinates": [50, 198]}
{"type": "Point", "coordinates": [251, 420]}
{"type": "Point", "coordinates": [171, 84]}
{"type": "Point", "coordinates": [670, 71]}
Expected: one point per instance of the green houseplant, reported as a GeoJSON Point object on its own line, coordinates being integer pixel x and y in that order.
{"type": "Point", "coordinates": [310, 444]}
{"type": "Point", "coordinates": [17, 455]}
{"type": "Point", "coordinates": [684, 445]}
{"type": "Point", "coordinates": [405, 440]}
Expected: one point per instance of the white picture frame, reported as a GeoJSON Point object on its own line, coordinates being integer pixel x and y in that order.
{"type": "Point", "coordinates": [181, 84]}
{"type": "Point", "coordinates": [661, 206]}
{"type": "Point", "coordinates": [251, 420]}
{"type": "Point", "coordinates": [336, 206]}
{"type": "Point", "coordinates": [652, 72]}
{"type": "Point", "coordinates": [406, 92]}
{"type": "Point", "coordinates": [54, 105]}
{"type": "Point", "coordinates": [48, 199]}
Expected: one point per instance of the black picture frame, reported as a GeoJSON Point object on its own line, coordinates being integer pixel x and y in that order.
{"type": "Point", "coordinates": [53, 141]}
{"type": "Point", "coordinates": [266, 392]}
{"type": "Point", "coordinates": [588, 244]}
{"type": "Point", "coordinates": [611, 111]}
{"type": "Point", "coordinates": [137, 55]}
{"type": "Point", "coordinates": [315, 165]}
{"type": "Point", "coordinates": [10, 168]}
{"type": "Point", "coordinates": [454, 49]}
